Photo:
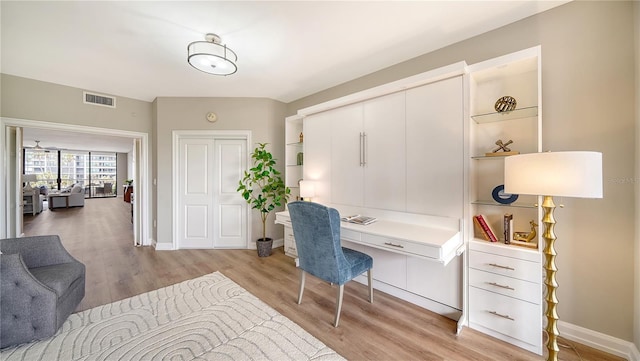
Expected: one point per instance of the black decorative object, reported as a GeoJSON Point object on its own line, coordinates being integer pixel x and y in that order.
{"type": "Point", "coordinates": [501, 197]}
{"type": "Point", "coordinates": [505, 104]}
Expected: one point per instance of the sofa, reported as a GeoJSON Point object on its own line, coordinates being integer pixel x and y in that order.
{"type": "Point", "coordinates": [75, 194]}
{"type": "Point", "coordinates": [41, 284]}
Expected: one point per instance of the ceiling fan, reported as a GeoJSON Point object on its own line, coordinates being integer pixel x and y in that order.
{"type": "Point", "coordinates": [39, 147]}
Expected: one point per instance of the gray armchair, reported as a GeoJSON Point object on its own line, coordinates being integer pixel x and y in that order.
{"type": "Point", "coordinates": [41, 284]}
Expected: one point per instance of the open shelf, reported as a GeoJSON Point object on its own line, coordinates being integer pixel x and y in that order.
{"type": "Point", "coordinates": [481, 157]}
{"type": "Point", "coordinates": [502, 116]}
{"type": "Point", "coordinates": [514, 204]}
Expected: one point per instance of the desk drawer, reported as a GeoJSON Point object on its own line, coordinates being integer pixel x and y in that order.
{"type": "Point", "coordinates": [506, 266]}
{"type": "Point", "coordinates": [523, 290]}
{"type": "Point", "coordinates": [283, 219]}
{"type": "Point", "coordinates": [401, 246]}
{"type": "Point", "coordinates": [350, 235]}
{"type": "Point", "coordinates": [514, 318]}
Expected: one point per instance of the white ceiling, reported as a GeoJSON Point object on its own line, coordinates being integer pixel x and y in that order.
{"type": "Point", "coordinates": [286, 49]}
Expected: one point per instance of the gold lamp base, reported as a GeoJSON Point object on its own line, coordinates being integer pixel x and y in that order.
{"type": "Point", "coordinates": [550, 269]}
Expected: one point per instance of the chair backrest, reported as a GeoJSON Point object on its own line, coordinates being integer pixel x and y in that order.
{"type": "Point", "coordinates": [316, 229]}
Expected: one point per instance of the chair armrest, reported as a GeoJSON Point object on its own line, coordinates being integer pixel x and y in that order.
{"type": "Point", "coordinates": [37, 251]}
{"type": "Point", "coordinates": [27, 306]}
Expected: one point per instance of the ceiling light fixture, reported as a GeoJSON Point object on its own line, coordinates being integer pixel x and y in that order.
{"type": "Point", "coordinates": [211, 56]}
{"type": "Point", "coordinates": [38, 147]}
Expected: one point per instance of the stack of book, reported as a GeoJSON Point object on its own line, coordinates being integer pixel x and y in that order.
{"type": "Point", "coordinates": [485, 228]}
{"type": "Point", "coordinates": [486, 231]}
{"type": "Point", "coordinates": [358, 219]}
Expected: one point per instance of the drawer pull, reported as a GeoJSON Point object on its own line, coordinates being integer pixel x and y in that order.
{"type": "Point", "coordinates": [500, 315]}
{"type": "Point", "coordinates": [501, 286]}
{"type": "Point", "coordinates": [503, 267]}
{"type": "Point", "coordinates": [393, 245]}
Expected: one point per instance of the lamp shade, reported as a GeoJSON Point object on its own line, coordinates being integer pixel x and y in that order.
{"type": "Point", "coordinates": [211, 56]}
{"type": "Point", "coordinates": [26, 178]}
{"type": "Point", "coordinates": [565, 174]}
{"type": "Point", "coordinates": [307, 189]}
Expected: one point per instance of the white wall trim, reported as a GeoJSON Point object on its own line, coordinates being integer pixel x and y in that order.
{"type": "Point", "coordinates": [162, 246]}
{"type": "Point", "coordinates": [600, 341]}
{"type": "Point", "coordinates": [145, 232]}
{"type": "Point", "coordinates": [176, 135]}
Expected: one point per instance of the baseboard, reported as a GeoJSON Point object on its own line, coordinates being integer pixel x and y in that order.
{"type": "Point", "coordinates": [169, 247]}
{"type": "Point", "coordinates": [161, 246]}
{"type": "Point", "coordinates": [600, 341]}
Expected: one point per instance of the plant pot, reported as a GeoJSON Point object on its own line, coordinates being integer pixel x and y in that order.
{"type": "Point", "coordinates": [264, 246]}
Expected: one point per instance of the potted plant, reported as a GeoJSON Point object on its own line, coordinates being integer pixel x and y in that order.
{"type": "Point", "coordinates": [263, 189]}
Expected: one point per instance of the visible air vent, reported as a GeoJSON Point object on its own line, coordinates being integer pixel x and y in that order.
{"type": "Point", "coordinates": [99, 99]}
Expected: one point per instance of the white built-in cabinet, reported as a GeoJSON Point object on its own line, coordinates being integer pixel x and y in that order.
{"type": "Point", "coordinates": [504, 281]}
{"type": "Point", "coordinates": [396, 155]}
{"type": "Point", "coordinates": [416, 148]}
{"type": "Point", "coordinates": [435, 147]}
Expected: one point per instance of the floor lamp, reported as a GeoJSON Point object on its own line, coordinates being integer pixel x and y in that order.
{"type": "Point", "coordinates": [564, 174]}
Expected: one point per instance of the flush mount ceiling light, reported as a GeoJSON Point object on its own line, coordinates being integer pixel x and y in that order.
{"type": "Point", "coordinates": [210, 56]}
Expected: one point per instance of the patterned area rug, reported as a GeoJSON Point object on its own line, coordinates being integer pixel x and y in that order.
{"type": "Point", "coordinates": [207, 318]}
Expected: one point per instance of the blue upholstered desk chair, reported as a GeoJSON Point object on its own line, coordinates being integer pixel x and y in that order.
{"type": "Point", "coordinates": [316, 229]}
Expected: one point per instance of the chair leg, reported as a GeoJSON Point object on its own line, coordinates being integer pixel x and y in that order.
{"type": "Point", "coordinates": [302, 279]}
{"type": "Point", "coordinates": [370, 275]}
{"type": "Point", "coordinates": [339, 304]}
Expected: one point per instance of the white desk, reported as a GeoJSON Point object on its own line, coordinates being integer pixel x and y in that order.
{"type": "Point", "coordinates": [414, 255]}
{"type": "Point", "coordinates": [436, 243]}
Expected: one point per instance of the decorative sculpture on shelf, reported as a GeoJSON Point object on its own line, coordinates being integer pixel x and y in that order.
{"type": "Point", "coordinates": [505, 104]}
{"type": "Point", "coordinates": [503, 146]}
{"type": "Point", "coordinates": [526, 236]}
{"type": "Point", "coordinates": [502, 150]}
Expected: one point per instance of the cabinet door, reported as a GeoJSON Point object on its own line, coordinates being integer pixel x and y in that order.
{"type": "Point", "coordinates": [384, 128]}
{"type": "Point", "coordinates": [317, 155]}
{"type": "Point", "coordinates": [435, 173]}
{"type": "Point", "coordinates": [346, 155]}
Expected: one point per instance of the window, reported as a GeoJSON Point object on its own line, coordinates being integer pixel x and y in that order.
{"type": "Point", "coordinates": [95, 171]}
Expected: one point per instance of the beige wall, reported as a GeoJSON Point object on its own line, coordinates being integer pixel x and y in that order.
{"type": "Point", "coordinates": [264, 117]}
{"type": "Point", "coordinates": [24, 98]}
{"type": "Point", "coordinates": [588, 104]}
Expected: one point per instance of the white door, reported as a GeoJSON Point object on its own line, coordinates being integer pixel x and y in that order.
{"type": "Point", "coordinates": [210, 212]}
{"type": "Point", "coordinates": [230, 223]}
{"type": "Point", "coordinates": [385, 166]}
{"type": "Point", "coordinates": [195, 193]}
{"type": "Point", "coordinates": [347, 155]}
{"type": "Point", "coordinates": [435, 148]}
{"type": "Point", "coordinates": [19, 171]}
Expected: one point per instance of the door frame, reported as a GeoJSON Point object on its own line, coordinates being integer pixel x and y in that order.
{"type": "Point", "coordinates": [178, 135]}
{"type": "Point", "coordinates": [142, 232]}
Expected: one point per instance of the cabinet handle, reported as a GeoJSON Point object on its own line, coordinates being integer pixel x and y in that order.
{"type": "Point", "coordinates": [361, 149]}
{"type": "Point", "coordinates": [503, 267]}
{"type": "Point", "coordinates": [501, 315]}
{"type": "Point", "coordinates": [364, 149]}
{"type": "Point", "coordinates": [501, 286]}
{"type": "Point", "coordinates": [393, 245]}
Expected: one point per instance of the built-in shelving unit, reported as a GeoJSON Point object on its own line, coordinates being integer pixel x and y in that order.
{"type": "Point", "coordinates": [517, 113]}
{"type": "Point", "coordinates": [504, 280]}
{"type": "Point", "coordinates": [294, 153]}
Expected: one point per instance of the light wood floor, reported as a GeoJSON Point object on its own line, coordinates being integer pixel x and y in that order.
{"type": "Point", "coordinates": [100, 235]}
